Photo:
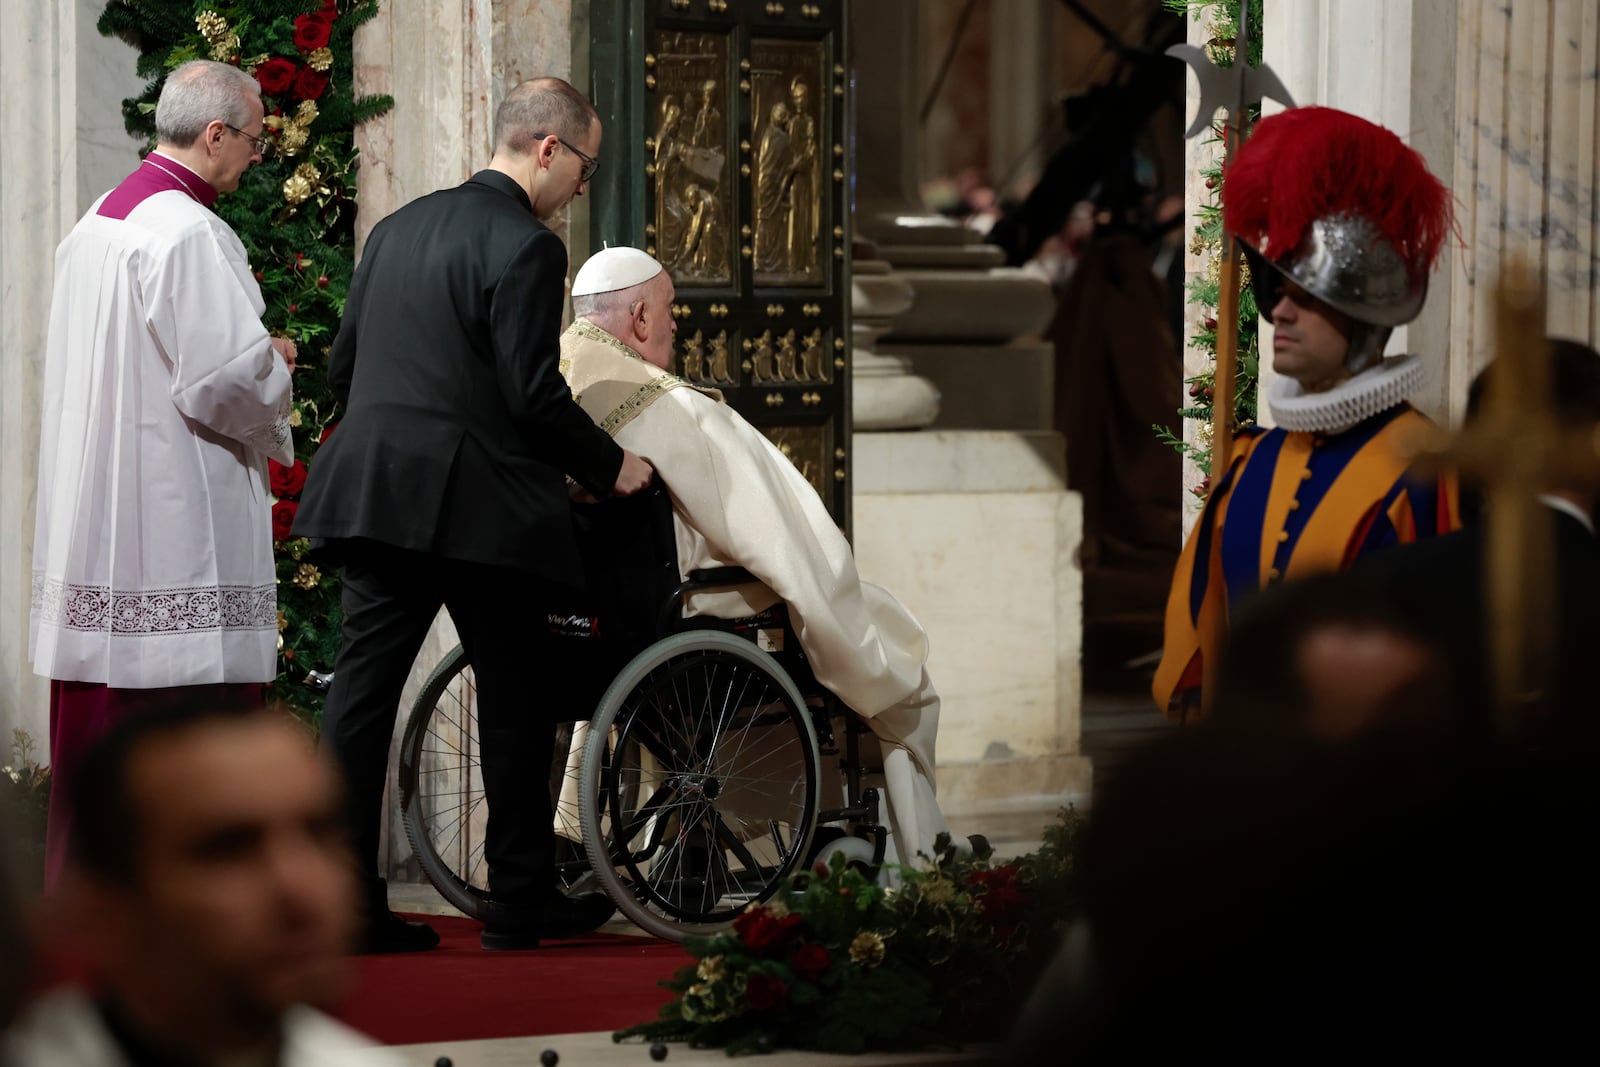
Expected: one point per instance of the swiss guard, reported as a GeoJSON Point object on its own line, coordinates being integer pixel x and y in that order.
{"type": "Point", "coordinates": [1341, 224]}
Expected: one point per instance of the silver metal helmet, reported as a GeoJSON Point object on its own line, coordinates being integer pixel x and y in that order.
{"type": "Point", "coordinates": [1346, 263]}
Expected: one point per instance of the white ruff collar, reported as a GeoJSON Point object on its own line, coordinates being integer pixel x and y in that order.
{"type": "Point", "coordinates": [1347, 404]}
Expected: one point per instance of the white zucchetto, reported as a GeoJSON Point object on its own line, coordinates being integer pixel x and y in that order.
{"type": "Point", "coordinates": [611, 269]}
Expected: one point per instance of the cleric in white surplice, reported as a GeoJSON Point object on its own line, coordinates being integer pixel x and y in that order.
{"type": "Point", "coordinates": [738, 501]}
{"type": "Point", "coordinates": [164, 397]}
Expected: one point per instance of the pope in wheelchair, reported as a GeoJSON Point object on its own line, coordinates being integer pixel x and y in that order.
{"type": "Point", "coordinates": [703, 776]}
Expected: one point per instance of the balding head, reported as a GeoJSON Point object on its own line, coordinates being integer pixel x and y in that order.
{"type": "Point", "coordinates": [540, 108]}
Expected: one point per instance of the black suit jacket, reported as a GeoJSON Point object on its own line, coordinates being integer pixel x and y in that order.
{"type": "Point", "coordinates": [1440, 581]}
{"type": "Point", "coordinates": [458, 427]}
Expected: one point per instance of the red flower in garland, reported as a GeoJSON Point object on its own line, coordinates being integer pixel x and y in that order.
{"type": "Point", "coordinates": [276, 76]}
{"type": "Point", "coordinates": [764, 933]}
{"type": "Point", "coordinates": [287, 481]}
{"type": "Point", "coordinates": [1000, 899]}
{"type": "Point", "coordinates": [283, 513]}
{"type": "Point", "coordinates": [764, 993]}
{"type": "Point", "coordinates": [810, 962]}
{"type": "Point", "coordinates": [309, 84]}
{"type": "Point", "coordinates": [312, 31]}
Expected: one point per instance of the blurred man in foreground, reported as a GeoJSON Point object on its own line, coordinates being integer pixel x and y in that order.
{"type": "Point", "coordinates": [210, 890]}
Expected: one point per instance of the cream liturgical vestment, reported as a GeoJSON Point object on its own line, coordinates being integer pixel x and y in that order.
{"type": "Point", "coordinates": [738, 501]}
{"type": "Point", "coordinates": [163, 400]}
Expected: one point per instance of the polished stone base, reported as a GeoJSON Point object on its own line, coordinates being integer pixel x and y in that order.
{"type": "Point", "coordinates": [985, 386]}
{"type": "Point", "coordinates": [976, 535]}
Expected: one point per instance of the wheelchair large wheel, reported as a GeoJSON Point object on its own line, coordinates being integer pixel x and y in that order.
{"type": "Point", "coordinates": [441, 790]}
{"type": "Point", "coordinates": [718, 802]}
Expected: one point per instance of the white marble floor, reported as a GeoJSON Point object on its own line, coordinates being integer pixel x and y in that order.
{"type": "Point", "coordinates": [598, 1050]}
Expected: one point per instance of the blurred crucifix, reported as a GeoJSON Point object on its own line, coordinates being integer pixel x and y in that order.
{"type": "Point", "coordinates": [1516, 449]}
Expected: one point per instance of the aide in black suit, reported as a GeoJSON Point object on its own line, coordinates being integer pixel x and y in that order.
{"type": "Point", "coordinates": [444, 485]}
{"type": "Point", "coordinates": [1441, 579]}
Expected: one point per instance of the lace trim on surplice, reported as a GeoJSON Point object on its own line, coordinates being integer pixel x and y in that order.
{"type": "Point", "coordinates": [99, 608]}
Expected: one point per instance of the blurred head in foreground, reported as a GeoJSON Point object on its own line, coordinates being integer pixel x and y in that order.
{"type": "Point", "coordinates": [209, 881]}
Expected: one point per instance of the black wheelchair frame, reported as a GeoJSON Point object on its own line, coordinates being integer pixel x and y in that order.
{"type": "Point", "coordinates": [646, 601]}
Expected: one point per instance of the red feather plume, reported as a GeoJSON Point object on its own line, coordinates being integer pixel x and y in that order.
{"type": "Point", "coordinates": [1311, 162]}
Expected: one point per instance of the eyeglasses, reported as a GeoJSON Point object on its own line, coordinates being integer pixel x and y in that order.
{"type": "Point", "coordinates": [262, 146]}
{"type": "Point", "coordinates": [590, 163]}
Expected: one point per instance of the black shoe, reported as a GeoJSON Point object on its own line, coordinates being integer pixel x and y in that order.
{"type": "Point", "coordinates": [390, 933]}
{"type": "Point", "coordinates": [523, 926]}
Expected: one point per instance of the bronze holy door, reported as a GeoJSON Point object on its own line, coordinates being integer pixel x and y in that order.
{"type": "Point", "coordinates": [728, 157]}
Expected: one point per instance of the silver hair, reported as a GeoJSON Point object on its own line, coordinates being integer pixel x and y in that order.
{"type": "Point", "coordinates": [198, 93]}
{"type": "Point", "coordinates": [606, 305]}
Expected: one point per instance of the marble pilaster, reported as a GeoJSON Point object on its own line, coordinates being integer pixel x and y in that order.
{"type": "Point", "coordinates": [1357, 55]}
{"type": "Point", "coordinates": [62, 144]}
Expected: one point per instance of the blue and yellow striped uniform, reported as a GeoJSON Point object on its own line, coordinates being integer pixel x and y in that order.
{"type": "Point", "coordinates": [1293, 504]}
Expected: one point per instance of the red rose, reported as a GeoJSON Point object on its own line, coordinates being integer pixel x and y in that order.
{"type": "Point", "coordinates": [287, 481]}
{"type": "Point", "coordinates": [761, 932]}
{"type": "Point", "coordinates": [330, 8]}
{"type": "Point", "coordinates": [327, 432]}
{"type": "Point", "coordinates": [275, 76]}
{"type": "Point", "coordinates": [1000, 899]}
{"type": "Point", "coordinates": [308, 84]}
{"type": "Point", "coordinates": [283, 519]}
{"type": "Point", "coordinates": [765, 992]}
{"type": "Point", "coordinates": [312, 31]}
{"type": "Point", "coordinates": [810, 961]}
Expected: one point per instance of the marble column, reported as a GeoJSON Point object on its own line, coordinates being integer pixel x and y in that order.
{"type": "Point", "coordinates": [1199, 154]}
{"type": "Point", "coordinates": [968, 522]}
{"type": "Point", "coordinates": [954, 333]}
{"type": "Point", "coordinates": [62, 144]}
{"type": "Point", "coordinates": [447, 67]}
{"type": "Point", "coordinates": [885, 394]}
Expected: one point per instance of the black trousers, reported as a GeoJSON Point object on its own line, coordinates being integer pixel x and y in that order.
{"type": "Point", "coordinates": [391, 597]}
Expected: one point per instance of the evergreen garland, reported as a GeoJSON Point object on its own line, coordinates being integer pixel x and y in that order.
{"type": "Point", "coordinates": [295, 213]}
{"type": "Point", "coordinates": [1223, 16]}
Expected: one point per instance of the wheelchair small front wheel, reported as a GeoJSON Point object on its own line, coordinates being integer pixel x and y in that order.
{"type": "Point", "coordinates": [717, 801]}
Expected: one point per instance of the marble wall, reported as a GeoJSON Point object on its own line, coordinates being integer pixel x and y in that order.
{"type": "Point", "coordinates": [62, 144]}
{"type": "Point", "coordinates": [1526, 123]}
{"type": "Point", "coordinates": [448, 66]}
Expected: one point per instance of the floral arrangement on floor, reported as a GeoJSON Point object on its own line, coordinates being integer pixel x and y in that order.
{"type": "Point", "coordinates": [1206, 240]}
{"type": "Point", "coordinates": [26, 785]}
{"type": "Point", "coordinates": [835, 962]}
{"type": "Point", "coordinates": [295, 213]}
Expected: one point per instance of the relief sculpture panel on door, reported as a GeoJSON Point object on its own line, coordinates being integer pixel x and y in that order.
{"type": "Point", "coordinates": [690, 167]}
{"type": "Point", "coordinates": [788, 185]}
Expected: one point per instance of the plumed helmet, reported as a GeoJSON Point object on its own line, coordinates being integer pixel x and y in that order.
{"type": "Point", "coordinates": [1340, 206]}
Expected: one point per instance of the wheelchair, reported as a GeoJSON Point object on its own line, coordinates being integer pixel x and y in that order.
{"type": "Point", "coordinates": [702, 765]}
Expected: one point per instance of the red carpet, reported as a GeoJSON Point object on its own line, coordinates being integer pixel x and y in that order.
{"type": "Point", "coordinates": [458, 992]}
